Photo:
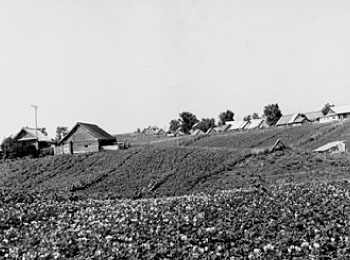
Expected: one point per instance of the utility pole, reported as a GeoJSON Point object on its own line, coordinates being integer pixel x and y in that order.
{"type": "Point", "coordinates": [36, 125]}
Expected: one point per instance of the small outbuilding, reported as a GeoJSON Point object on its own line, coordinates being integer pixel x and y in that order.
{"type": "Point", "coordinates": [84, 138]}
{"type": "Point", "coordinates": [332, 147]}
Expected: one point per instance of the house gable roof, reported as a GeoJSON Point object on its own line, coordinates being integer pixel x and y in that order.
{"type": "Point", "coordinates": [338, 110]}
{"type": "Point", "coordinates": [255, 123]}
{"type": "Point", "coordinates": [291, 119]}
{"type": "Point", "coordinates": [29, 134]}
{"type": "Point", "coordinates": [314, 116]}
{"type": "Point", "coordinates": [236, 125]}
{"type": "Point", "coordinates": [93, 129]}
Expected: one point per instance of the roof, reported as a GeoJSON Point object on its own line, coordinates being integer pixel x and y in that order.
{"type": "Point", "coordinates": [255, 123]}
{"type": "Point", "coordinates": [223, 128]}
{"type": "Point", "coordinates": [291, 119]}
{"type": "Point", "coordinates": [197, 132]}
{"type": "Point", "coordinates": [315, 115]}
{"type": "Point", "coordinates": [94, 130]}
{"type": "Point", "coordinates": [344, 109]}
{"type": "Point", "coordinates": [31, 135]}
{"type": "Point", "coordinates": [153, 130]}
{"type": "Point", "coordinates": [236, 125]}
{"type": "Point", "coordinates": [332, 145]}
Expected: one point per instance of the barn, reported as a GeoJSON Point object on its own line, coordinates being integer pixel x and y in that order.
{"type": "Point", "coordinates": [84, 138]}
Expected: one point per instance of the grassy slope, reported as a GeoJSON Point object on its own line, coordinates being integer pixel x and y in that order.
{"type": "Point", "coordinates": [307, 136]}
{"type": "Point", "coordinates": [153, 172]}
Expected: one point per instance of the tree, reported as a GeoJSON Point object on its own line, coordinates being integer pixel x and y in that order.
{"type": "Point", "coordinates": [43, 130]}
{"type": "Point", "coordinates": [272, 113]}
{"type": "Point", "coordinates": [174, 125]}
{"type": "Point", "coordinates": [255, 115]}
{"type": "Point", "coordinates": [250, 117]}
{"type": "Point", "coordinates": [247, 118]}
{"type": "Point", "coordinates": [61, 131]}
{"type": "Point", "coordinates": [205, 124]}
{"type": "Point", "coordinates": [326, 108]}
{"type": "Point", "coordinates": [226, 116]}
{"type": "Point", "coordinates": [9, 146]}
{"type": "Point", "coordinates": [187, 121]}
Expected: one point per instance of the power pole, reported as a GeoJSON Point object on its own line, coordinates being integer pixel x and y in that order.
{"type": "Point", "coordinates": [36, 125]}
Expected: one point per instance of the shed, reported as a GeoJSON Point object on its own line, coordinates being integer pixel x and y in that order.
{"type": "Point", "coordinates": [83, 138]}
{"type": "Point", "coordinates": [332, 147]}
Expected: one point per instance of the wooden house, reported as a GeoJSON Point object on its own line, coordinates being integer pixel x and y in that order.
{"type": "Point", "coordinates": [197, 132]}
{"type": "Point", "coordinates": [337, 113]}
{"type": "Point", "coordinates": [84, 138]}
{"type": "Point", "coordinates": [237, 125]}
{"type": "Point", "coordinates": [257, 124]}
{"type": "Point", "coordinates": [31, 141]}
{"type": "Point", "coordinates": [153, 131]}
{"type": "Point", "coordinates": [222, 128]}
{"type": "Point", "coordinates": [315, 116]}
{"type": "Point", "coordinates": [292, 120]}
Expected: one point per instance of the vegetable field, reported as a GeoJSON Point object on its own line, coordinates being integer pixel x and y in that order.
{"type": "Point", "coordinates": [192, 202]}
{"type": "Point", "coordinates": [294, 221]}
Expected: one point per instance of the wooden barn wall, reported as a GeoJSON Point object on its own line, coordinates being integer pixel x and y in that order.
{"type": "Point", "coordinates": [86, 146]}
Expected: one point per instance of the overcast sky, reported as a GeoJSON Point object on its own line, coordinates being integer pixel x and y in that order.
{"type": "Point", "coordinates": [129, 64]}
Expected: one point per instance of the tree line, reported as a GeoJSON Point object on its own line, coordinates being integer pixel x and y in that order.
{"type": "Point", "coordinates": [187, 120]}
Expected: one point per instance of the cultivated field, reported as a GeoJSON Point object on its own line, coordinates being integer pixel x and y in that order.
{"type": "Point", "coordinates": [213, 199]}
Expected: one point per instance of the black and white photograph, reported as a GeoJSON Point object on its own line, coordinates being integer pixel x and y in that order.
{"type": "Point", "coordinates": [174, 129]}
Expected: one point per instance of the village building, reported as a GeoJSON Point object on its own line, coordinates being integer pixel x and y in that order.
{"type": "Point", "coordinates": [332, 147]}
{"type": "Point", "coordinates": [337, 113]}
{"type": "Point", "coordinates": [31, 141]}
{"type": "Point", "coordinates": [221, 129]}
{"type": "Point", "coordinates": [84, 138]}
{"type": "Point", "coordinates": [196, 132]}
{"type": "Point", "coordinates": [315, 116]}
{"type": "Point", "coordinates": [238, 125]}
{"type": "Point", "coordinates": [257, 124]}
{"type": "Point", "coordinates": [210, 130]}
{"type": "Point", "coordinates": [292, 120]}
{"type": "Point", "coordinates": [154, 131]}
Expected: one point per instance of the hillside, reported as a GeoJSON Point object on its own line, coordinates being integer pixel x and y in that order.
{"type": "Point", "coordinates": [154, 172]}
{"type": "Point", "coordinates": [304, 137]}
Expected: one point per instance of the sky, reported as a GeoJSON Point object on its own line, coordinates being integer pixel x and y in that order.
{"type": "Point", "coordinates": [128, 64]}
